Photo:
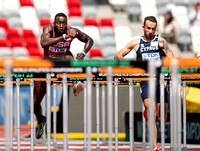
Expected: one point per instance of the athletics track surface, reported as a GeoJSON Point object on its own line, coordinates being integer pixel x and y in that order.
{"type": "Point", "coordinates": [25, 131]}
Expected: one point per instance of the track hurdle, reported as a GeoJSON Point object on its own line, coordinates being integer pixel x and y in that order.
{"type": "Point", "coordinates": [89, 146]}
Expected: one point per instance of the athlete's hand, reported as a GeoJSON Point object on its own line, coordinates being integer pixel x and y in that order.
{"type": "Point", "coordinates": [80, 56]}
{"type": "Point", "coordinates": [72, 33]}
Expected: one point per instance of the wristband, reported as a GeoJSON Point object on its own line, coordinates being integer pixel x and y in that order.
{"type": "Point", "coordinates": [64, 36]}
{"type": "Point", "coordinates": [83, 53]}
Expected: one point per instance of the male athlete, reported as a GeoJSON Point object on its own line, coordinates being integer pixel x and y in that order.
{"type": "Point", "coordinates": [56, 40]}
{"type": "Point", "coordinates": [149, 47]}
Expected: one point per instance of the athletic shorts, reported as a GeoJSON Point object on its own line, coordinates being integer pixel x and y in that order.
{"type": "Point", "coordinates": [144, 91]}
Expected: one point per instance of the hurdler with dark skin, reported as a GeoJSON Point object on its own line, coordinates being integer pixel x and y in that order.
{"type": "Point", "coordinates": [56, 39]}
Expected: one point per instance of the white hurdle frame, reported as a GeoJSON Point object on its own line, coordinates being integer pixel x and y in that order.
{"type": "Point", "coordinates": [174, 117]}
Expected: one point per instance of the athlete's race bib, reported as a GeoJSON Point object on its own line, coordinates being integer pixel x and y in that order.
{"type": "Point", "coordinates": [150, 56]}
{"type": "Point", "coordinates": [53, 49]}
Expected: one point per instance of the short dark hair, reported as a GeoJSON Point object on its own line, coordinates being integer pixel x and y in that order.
{"type": "Point", "coordinates": [60, 15]}
{"type": "Point", "coordinates": [150, 18]}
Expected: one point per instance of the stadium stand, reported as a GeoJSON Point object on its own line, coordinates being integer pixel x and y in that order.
{"type": "Point", "coordinates": [19, 51]}
{"type": "Point", "coordinates": [133, 10]}
{"type": "Point", "coordinates": [106, 28]}
{"type": "Point", "coordinates": [4, 42]}
{"type": "Point", "coordinates": [5, 52]}
{"type": "Point", "coordinates": [89, 11]}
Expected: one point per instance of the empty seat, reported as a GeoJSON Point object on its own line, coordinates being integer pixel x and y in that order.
{"type": "Point", "coordinates": [20, 51]}
{"type": "Point", "coordinates": [75, 11]}
{"type": "Point", "coordinates": [31, 43]}
{"type": "Point", "coordinates": [117, 4]}
{"type": "Point", "coordinates": [109, 52]}
{"type": "Point", "coordinates": [108, 42]}
{"type": "Point", "coordinates": [122, 31]}
{"type": "Point", "coordinates": [44, 4]}
{"type": "Point", "coordinates": [3, 23]}
{"type": "Point", "coordinates": [2, 14]}
{"type": "Point", "coordinates": [92, 31]}
{"type": "Point", "coordinates": [95, 53]}
{"type": "Point", "coordinates": [57, 7]}
{"type": "Point", "coordinates": [89, 11]}
{"type": "Point", "coordinates": [12, 33]}
{"type": "Point", "coordinates": [89, 2]}
{"type": "Point", "coordinates": [183, 38]}
{"type": "Point", "coordinates": [76, 21]}
{"type": "Point", "coordinates": [181, 15]}
{"type": "Point", "coordinates": [90, 21]}
{"type": "Point", "coordinates": [11, 5]}
{"type": "Point", "coordinates": [42, 13]}
{"type": "Point", "coordinates": [106, 22]}
{"type": "Point", "coordinates": [44, 21]}
{"type": "Point", "coordinates": [5, 52]}
{"type": "Point", "coordinates": [26, 3]}
{"type": "Point", "coordinates": [15, 22]}
{"type": "Point", "coordinates": [133, 10]}
{"type": "Point", "coordinates": [54, 10]}
{"type": "Point", "coordinates": [16, 42]}
{"type": "Point", "coordinates": [12, 13]}
{"type": "Point", "coordinates": [2, 33]}
{"type": "Point", "coordinates": [106, 32]}
{"type": "Point", "coordinates": [35, 52]}
{"type": "Point", "coordinates": [74, 3]}
{"type": "Point", "coordinates": [4, 42]}
{"type": "Point", "coordinates": [27, 33]}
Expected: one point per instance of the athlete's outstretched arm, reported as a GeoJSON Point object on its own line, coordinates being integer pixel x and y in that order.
{"type": "Point", "coordinates": [124, 51]}
{"type": "Point", "coordinates": [87, 40]}
{"type": "Point", "coordinates": [165, 47]}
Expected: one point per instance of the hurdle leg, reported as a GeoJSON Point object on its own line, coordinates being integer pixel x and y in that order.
{"type": "Point", "coordinates": [184, 116]}
{"type": "Point", "coordinates": [174, 104]}
{"type": "Point", "coordinates": [116, 114]}
{"type": "Point", "coordinates": [11, 114]}
{"type": "Point", "coordinates": [143, 129]}
{"type": "Point", "coordinates": [18, 113]}
{"type": "Point", "coordinates": [151, 90]}
{"type": "Point", "coordinates": [162, 110]}
{"type": "Point", "coordinates": [98, 116]}
{"type": "Point", "coordinates": [48, 82]}
{"type": "Point", "coordinates": [85, 117]}
{"type": "Point", "coordinates": [8, 66]}
{"type": "Point", "coordinates": [65, 112]}
{"type": "Point", "coordinates": [89, 107]}
{"type": "Point", "coordinates": [171, 120]}
{"type": "Point", "coordinates": [179, 122]}
{"type": "Point", "coordinates": [110, 108]}
{"type": "Point", "coordinates": [103, 114]}
{"type": "Point", "coordinates": [54, 117]}
{"type": "Point", "coordinates": [31, 112]}
{"type": "Point", "coordinates": [131, 113]}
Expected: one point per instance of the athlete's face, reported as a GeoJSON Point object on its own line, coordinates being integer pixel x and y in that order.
{"type": "Point", "coordinates": [60, 24]}
{"type": "Point", "coordinates": [149, 30]}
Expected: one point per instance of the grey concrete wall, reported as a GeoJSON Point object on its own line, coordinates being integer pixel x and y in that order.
{"type": "Point", "coordinates": [76, 108]}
